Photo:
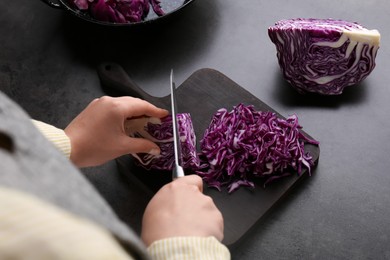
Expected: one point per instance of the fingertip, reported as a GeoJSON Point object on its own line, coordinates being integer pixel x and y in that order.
{"type": "Point", "coordinates": [165, 111]}
{"type": "Point", "coordinates": [159, 112]}
{"type": "Point", "coordinates": [154, 151]}
{"type": "Point", "coordinates": [155, 111]}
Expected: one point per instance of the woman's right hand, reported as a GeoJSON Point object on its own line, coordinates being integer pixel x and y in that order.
{"type": "Point", "coordinates": [181, 209]}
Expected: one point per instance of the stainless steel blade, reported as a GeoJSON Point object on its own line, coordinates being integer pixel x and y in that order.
{"type": "Point", "coordinates": [178, 169]}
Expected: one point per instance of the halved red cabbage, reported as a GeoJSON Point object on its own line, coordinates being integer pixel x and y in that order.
{"type": "Point", "coordinates": [160, 131]}
{"type": "Point", "coordinates": [324, 55]}
{"type": "Point", "coordinates": [118, 11]}
{"type": "Point", "coordinates": [245, 144]}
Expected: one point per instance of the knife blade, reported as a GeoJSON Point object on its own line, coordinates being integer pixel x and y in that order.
{"type": "Point", "coordinates": [178, 170]}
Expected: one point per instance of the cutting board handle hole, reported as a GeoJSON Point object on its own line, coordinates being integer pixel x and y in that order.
{"type": "Point", "coordinates": [6, 142]}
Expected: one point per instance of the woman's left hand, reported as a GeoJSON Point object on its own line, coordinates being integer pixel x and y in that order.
{"type": "Point", "coordinates": [98, 134]}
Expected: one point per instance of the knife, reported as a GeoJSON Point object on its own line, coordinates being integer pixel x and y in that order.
{"type": "Point", "coordinates": [178, 169]}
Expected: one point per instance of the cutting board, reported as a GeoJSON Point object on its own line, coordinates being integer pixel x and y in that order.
{"type": "Point", "coordinates": [201, 95]}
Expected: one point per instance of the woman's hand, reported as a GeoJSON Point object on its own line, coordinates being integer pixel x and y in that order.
{"type": "Point", "coordinates": [98, 134]}
{"type": "Point", "coordinates": [181, 209]}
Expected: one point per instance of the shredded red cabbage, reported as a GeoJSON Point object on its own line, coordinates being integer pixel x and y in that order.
{"type": "Point", "coordinates": [118, 11]}
{"type": "Point", "coordinates": [160, 131]}
{"type": "Point", "coordinates": [244, 144]}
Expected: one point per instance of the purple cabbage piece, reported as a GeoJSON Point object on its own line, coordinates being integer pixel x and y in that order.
{"type": "Point", "coordinates": [118, 11]}
{"type": "Point", "coordinates": [245, 144]}
{"type": "Point", "coordinates": [160, 131]}
{"type": "Point", "coordinates": [324, 55]}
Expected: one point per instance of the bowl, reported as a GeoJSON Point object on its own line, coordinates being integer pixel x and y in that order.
{"type": "Point", "coordinates": [169, 7]}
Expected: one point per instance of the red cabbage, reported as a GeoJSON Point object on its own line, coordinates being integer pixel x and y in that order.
{"type": "Point", "coordinates": [118, 11]}
{"type": "Point", "coordinates": [324, 55]}
{"type": "Point", "coordinates": [160, 131]}
{"type": "Point", "coordinates": [245, 144]}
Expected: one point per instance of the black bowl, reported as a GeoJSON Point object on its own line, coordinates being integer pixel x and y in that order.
{"type": "Point", "coordinates": [169, 7]}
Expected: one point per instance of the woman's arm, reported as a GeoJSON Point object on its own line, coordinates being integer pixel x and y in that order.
{"type": "Point", "coordinates": [180, 220]}
{"type": "Point", "coordinates": [98, 133]}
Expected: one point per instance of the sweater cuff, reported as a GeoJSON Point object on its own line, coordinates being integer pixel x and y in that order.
{"type": "Point", "coordinates": [31, 228]}
{"type": "Point", "coordinates": [188, 248]}
{"type": "Point", "coordinates": [56, 136]}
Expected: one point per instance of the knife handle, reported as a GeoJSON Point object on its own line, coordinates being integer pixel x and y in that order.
{"type": "Point", "coordinates": [114, 78]}
{"type": "Point", "coordinates": [177, 172]}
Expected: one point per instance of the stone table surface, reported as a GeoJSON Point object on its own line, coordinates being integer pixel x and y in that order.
{"type": "Point", "coordinates": [48, 61]}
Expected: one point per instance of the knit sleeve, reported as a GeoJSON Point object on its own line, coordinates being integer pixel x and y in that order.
{"type": "Point", "coordinates": [56, 136]}
{"type": "Point", "coordinates": [205, 248]}
{"type": "Point", "coordinates": [30, 228]}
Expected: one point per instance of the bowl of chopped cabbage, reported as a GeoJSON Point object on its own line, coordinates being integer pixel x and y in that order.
{"type": "Point", "coordinates": [119, 12]}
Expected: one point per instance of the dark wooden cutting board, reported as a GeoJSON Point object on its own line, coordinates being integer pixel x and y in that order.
{"type": "Point", "coordinates": [201, 95]}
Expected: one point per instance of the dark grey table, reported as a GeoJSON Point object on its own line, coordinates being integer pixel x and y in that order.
{"type": "Point", "coordinates": [48, 63]}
